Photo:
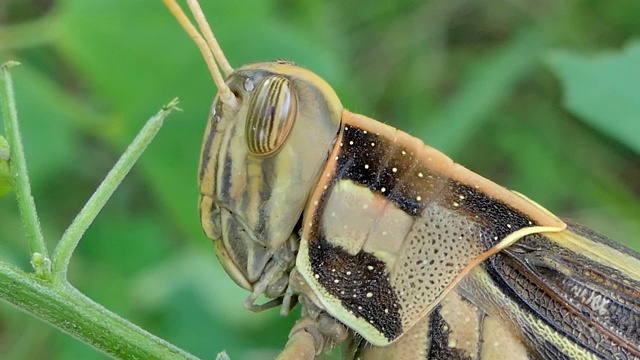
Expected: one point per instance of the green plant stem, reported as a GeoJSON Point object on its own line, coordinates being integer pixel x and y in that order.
{"type": "Point", "coordinates": [85, 217]}
{"type": "Point", "coordinates": [19, 173]}
{"type": "Point", "coordinates": [66, 308]}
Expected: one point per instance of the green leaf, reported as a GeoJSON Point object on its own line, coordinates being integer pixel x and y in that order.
{"type": "Point", "coordinates": [602, 90]}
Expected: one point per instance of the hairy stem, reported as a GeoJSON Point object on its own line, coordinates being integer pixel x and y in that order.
{"type": "Point", "coordinates": [66, 308]}
{"type": "Point", "coordinates": [85, 217]}
{"type": "Point", "coordinates": [18, 166]}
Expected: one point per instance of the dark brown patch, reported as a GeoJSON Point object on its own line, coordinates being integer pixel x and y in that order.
{"type": "Point", "coordinates": [498, 219]}
{"type": "Point", "coordinates": [351, 278]}
{"type": "Point", "coordinates": [439, 334]}
{"type": "Point", "coordinates": [413, 186]}
{"type": "Point", "coordinates": [372, 166]}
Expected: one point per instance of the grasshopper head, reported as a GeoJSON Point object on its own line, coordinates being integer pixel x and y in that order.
{"type": "Point", "coordinates": [260, 161]}
{"type": "Point", "coordinates": [269, 133]}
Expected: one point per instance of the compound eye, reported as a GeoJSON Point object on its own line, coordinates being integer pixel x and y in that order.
{"type": "Point", "coordinates": [272, 111]}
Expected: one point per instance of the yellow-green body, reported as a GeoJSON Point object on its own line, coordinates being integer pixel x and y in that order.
{"type": "Point", "coordinates": [366, 225]}
{"type": "Point", "coordinates": [392, 249]}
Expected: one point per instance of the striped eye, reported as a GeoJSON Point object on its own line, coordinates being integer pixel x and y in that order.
{"type": "Point", "coordinates": [272, 110]}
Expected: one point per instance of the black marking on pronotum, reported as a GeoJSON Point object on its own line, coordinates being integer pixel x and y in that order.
{"type": "Point", "coordinates": [360, 283]}
{"type": "Point", "coordinates": [369, 160]}
{"type": "Point", "coordinates": [392, 171]}
{"type": "Point", "coordinates": [439, 331]}
{"type": "Point", "coordinates": [498, 219]}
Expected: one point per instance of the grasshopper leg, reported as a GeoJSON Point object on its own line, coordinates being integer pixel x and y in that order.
{"type": "Point", "coordinates": [312, 336]}
{"type": "Point", "coordinates": [305, 341]}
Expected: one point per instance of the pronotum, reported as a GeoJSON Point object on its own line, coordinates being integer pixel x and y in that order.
{"type": "Point", "coordinates": [392, 249]}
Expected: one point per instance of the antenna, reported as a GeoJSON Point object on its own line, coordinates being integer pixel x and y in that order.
{"type": "Point", "coordinates": [196, 10]}
{"type": "Point", "coordinates": [210, 49]}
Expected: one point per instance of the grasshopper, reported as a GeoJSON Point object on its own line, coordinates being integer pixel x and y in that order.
{"type": "Point", "coordinates": [392, 249]}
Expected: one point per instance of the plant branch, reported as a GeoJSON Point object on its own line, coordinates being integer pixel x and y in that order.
{"type": "Point", "coordinates": [53, 299]}
{"type": "Point", "coordinates": [18, 166]}
{"type": "Point", "coordinates": [85, 217]}
{"type": "Point", "coordinates": [64, 307]}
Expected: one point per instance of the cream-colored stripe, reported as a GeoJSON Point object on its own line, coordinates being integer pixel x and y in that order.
{"type": "Point", "coordinates": [479, 288]}
{"type": "Point", "coordinates": [598, 252]}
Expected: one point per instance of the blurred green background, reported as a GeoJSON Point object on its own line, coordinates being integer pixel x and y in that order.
{"type": "Point", "coordinates": [541, 96]}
